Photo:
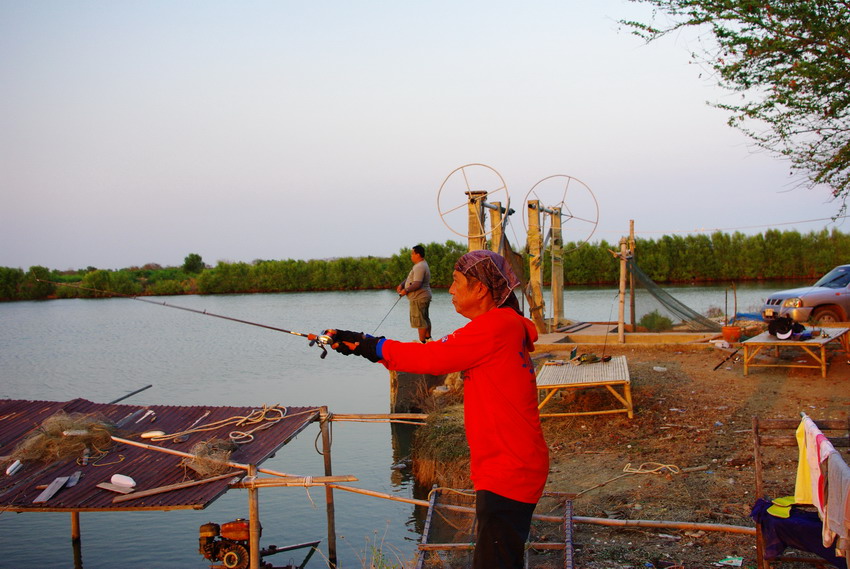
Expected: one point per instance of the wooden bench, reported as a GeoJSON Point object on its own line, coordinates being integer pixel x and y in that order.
{"type": "Point", "coordinates": [814, 347]}
{"type": "Point", "coordinates": [612, 375]}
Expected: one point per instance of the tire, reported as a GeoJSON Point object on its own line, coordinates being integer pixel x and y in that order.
{"type": "Point", "coordinates": [827, 315]}
{"type": "Point", "coordinates": [236, 557]}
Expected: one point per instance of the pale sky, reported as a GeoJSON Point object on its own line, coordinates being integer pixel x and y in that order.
{"type": "Point", "coordinates": [140, 132]}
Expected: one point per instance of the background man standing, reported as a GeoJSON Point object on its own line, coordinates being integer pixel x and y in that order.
{"type": "Point", "coordinates": [417, 288]}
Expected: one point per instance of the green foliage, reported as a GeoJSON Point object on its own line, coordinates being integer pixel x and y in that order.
{"type": "Point", "coordinates": [168, 288]}
{"type": "Point", "coordinates": [122, 283]}
{"type": "Point", "coordinates": [97, 281]}
{"type": "Point", "coordinates": [719, 257]}
{"type": "Point", "coordinates": [193, 263]}
{"type": "Point", "coordinates": [32, 287]}
{"type": "Point", "coordinates": [655, 322]}
{"type": "Point", "coordinates": [10, 279]}
{"type": "Point", "coordinates": [787, 62]}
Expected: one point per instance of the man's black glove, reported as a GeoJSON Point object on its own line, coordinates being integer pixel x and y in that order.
{"type": "Point", "coordinates": [347, 342]}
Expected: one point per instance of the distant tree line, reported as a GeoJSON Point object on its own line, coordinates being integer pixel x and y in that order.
{"type": "Point", "coordinates": [719, 257]}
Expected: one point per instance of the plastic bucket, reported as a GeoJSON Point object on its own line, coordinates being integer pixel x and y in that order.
{"type": "Point", "coordinates": [731, 333]}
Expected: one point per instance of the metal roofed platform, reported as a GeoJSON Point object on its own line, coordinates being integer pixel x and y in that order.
{"type": "Point", "coordinates": [151, 469]}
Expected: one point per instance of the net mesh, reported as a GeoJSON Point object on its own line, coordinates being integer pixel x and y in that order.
{"type": "Point", "coordinates": [449, 535]}
{"type": "Point", "coordinates": [210, 458]}
{"type": "Point", "coordinates": [688, 318]}
{"type": "Point", "coordinates": [65, 435]}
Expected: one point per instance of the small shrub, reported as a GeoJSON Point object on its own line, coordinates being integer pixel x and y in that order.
{"type": "Point", "coordinates": [714, 312]}
{"type": "Point", "coordinates": [655, 322]}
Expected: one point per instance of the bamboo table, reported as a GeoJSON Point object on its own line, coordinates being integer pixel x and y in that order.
{"type": "Point", "coordinates": [814, 346]}
{"type": "Point", "coordinates": [611, 375]}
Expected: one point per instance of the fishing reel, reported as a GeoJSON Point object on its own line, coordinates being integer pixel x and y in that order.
{"type": "Point", "coordinates": [321, 340]}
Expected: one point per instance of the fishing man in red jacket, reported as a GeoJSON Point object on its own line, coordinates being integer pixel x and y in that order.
{"type": "Point", "coordinates": [509, 459]}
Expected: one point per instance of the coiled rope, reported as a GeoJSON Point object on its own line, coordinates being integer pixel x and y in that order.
{"type": "Point", "coordinates": [644, 468]}
{"type": "Point", "coordinates": [262, 418]}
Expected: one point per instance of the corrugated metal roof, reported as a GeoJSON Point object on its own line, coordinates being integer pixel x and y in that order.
{"type": "Point", "coordinates": [149, 468]}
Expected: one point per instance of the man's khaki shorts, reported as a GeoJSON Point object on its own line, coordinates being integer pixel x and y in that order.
{"type": "Point", "coordinates": [419, 313]}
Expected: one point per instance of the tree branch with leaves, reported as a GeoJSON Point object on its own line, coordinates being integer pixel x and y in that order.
{"type": "Point", "coordinates": [789, 61]}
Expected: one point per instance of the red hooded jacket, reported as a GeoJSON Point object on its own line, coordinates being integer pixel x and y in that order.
{"type": "Point", "coordinates": [508, 453]}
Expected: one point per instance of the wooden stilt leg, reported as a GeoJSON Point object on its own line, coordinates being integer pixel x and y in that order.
{"type": "Point", "coordinates": [76, 544]}
{"type": "Point", "coordinates": [329, 496]}
{"type": "Point", "coordinates": [254, 519]}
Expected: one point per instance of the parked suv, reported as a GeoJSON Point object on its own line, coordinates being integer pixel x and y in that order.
{"type": "Point", "coordinates": [826, 301]}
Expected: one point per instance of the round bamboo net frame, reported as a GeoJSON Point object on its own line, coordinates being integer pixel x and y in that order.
{"type": "Point", "coordinates": [210, 458]}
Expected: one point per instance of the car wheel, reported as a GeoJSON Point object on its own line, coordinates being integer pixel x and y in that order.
{"type": "Point", "coordinates": [826, 315]}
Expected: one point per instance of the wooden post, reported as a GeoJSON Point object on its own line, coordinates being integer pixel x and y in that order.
{"type": "Point", "coordinates": [557, 270]}
{"type": "Point", "coordinates": [76, 543]}
{"type": "Point", "coordinates": [496, 228]}
{"type": "Point", "coordinates": [254, 521]}
{"type": "Point", "coordinates": [631, 275]}
{"type": "Point", "coordinates": [621, 317]}
{"type": "Point", "coordinates": [477, 233]}
{"type": "Point", "coordinates": [535, 266]}
{"type": "Point", "coordinates": [324, 421]}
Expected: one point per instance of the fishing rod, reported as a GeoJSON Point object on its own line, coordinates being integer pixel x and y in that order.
{"type": "Point", "coordinates": [320, 340]}
{"type": "Point", "coordinates": [726, 359]}
{"type": "Point", "coordinates": [388, 313]}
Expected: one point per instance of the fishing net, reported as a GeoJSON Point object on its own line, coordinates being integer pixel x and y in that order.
{"type": "Point", "coordinates": [65, 435]}
{"type": "Point", "coordinates": [651, 300]}
{"type": "Point", "coordinates": [210, 458]}
{"type": "Point", "coordinates": [450, 530]}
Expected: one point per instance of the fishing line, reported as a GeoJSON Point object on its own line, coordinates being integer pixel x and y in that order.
{"type": "Point", "coordinates": [388, 313]}
{"type": "Point", "coordinates": [321, 340]}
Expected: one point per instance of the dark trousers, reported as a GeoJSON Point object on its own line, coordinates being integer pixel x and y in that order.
{"type": "Point", "coordinates": [503, 526]}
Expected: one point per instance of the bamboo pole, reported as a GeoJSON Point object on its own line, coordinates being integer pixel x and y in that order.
{"type": "Point", "coordinates": [375, 417]}
{"type": "Point", "coordinates": [537, 545]}
{"type": "Point", "coordinates": [535, 266]}
{"type": "Point", "coordinates": [293, 481]}
{"type": "Point", "coordinates": [577, 519]}
{"type": "Point", "coordinates": [666, 525]}
{"type": "Point", "coordinates": [254, 521]}
{"type": "Point", "coordinates": [557, 278]}
{"type": "Point", "coordinates": [632, 276]}
{"type": "Point", "coordinates": [171, 487]}
{"type": "Point", "coordinates": [475, 213]}
{"type": "Point", "coordinates": [189, 455]}
{"type": "Point", "coordinates": [621, 317]}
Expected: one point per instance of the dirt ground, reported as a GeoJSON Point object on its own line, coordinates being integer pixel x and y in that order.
{"type": "Point", "coordinates": [691, 419]}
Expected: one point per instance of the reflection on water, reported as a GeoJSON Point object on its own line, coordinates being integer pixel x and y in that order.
{"type": "Point", "coordinates": [102, 349]}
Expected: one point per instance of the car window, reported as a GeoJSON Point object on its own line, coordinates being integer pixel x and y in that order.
{"type": "Point", "coordinates": [838, 277]}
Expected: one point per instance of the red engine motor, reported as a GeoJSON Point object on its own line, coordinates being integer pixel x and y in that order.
{"type": "Point", "coordinates": [227, 543]}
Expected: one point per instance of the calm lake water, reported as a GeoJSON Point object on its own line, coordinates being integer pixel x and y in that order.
{"type": "Point", "coordinates": [103, 349]}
